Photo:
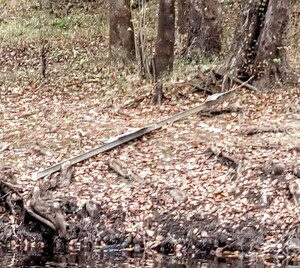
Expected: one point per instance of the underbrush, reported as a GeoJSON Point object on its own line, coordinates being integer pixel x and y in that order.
{"type": "Point", "coordinates": [77, 50]}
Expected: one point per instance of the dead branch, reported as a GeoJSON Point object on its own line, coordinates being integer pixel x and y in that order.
{"type": "Point", "coordinates": [197, 86]}
{"type": "Point", "coordinates": [14, 188]}
{"type": "Point", "coordinates": [196, 89]}
{"type": "Point", "coordinates": [248, 131]}
{"type": "Point", "coordinates": [6, 175]}
{"type": "Point", "coordinates": [43, 208]}
{"type": "Point", "coordinates": [215, 112]}
{"type": "Point", "coordinates": [212, 100]}
{"type": "Point", "coordinates": [245, 84]}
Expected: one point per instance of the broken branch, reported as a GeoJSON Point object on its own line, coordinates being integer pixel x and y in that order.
{"type": "Point", "coordinates": [261, 129]}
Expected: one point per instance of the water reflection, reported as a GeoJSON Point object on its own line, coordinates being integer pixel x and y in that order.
{"type": "Point", "coordinates": [119, 259]}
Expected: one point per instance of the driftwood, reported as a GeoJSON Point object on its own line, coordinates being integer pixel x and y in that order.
{"type": "Point", "coordinates": [46, 211]}
{"type": "Point", "coordinates": [120, 169]}
{"type": "Point", "coordinates": [40, 204]}
{"type": "Point", "coordinates": [261, 129]}
{"type": "Point", "coordinates": [212, 100]}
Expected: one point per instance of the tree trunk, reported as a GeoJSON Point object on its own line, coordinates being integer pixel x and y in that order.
{"type": "Point", "coordinates": [164, 47]}
{"type": "Point", "coordinates": [121, 35]}
{"type": "Point", "coordinates": [204, 28]}
{"type": "Point", "coordinates": [258, 48]}
{"type": "Point", "coordinates": [182, 18]}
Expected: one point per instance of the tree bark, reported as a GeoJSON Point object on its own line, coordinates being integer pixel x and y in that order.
{"type": "Point", "coordinates": [182, 18]}
{"type": "Point", "coordinates": [203, 27]}
{"type": "Point", "coordinates": [164, 47]}
{"type": "Point", "coordinates": [121, 35]}
{"type": "Point", "coordinates": [258, 48]}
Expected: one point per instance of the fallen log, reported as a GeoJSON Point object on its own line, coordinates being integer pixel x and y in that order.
{"type": "Point", "coordinates": [132, 135]}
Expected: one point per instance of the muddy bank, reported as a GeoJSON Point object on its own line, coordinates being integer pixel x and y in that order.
{"type": "Point", "coordinates": [44, 218]}
{"type": "Point", "coordinates": [225, 184]}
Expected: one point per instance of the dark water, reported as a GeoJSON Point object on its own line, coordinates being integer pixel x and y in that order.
{"type": "Point", "coordinates": [99, 259]}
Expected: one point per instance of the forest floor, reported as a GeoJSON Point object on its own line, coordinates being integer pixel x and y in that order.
{"type": "Point", "coordinates": [208, 182]}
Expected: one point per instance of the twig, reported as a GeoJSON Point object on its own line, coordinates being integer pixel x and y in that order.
{"type": "Point", "coordinates": [245, 84]}
{"type": "Point", "coordinates": [196, 89]}
{"type": "Point", "coordinates": [14, 188]}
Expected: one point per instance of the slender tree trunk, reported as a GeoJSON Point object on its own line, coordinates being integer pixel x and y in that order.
{"type": "Point", "coordinates": [258, 48]}
{"type": "Point", "coordinates": [203, 25]}
{"type": "Point", "coordinates": [121, 35]}
{"type": "Point", "coordinates": [164, 47]}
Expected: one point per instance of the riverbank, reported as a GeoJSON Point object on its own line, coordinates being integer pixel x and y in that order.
{"type": "Point", "coordinates": [222, 184]}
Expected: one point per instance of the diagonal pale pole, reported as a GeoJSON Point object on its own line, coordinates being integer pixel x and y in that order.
{"type": "Point", "coordinates": [124, 138]}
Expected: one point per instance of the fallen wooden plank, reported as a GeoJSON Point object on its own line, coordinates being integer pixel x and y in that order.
{"type": "Point", "coordinates": [126, 137]}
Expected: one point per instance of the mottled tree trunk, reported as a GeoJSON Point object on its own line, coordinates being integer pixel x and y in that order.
{"type": "Point", "coordinates": [182, 18]}
{"type": "Point", "coordinates": [258, 48]}
{"type": "Point", "coordinates": [204, 27]}
{"type": "Point", "coordinates": [121, 35]}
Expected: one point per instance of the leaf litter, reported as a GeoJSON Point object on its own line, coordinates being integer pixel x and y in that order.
{"type": "Point", "coordinates": [188, 196]}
